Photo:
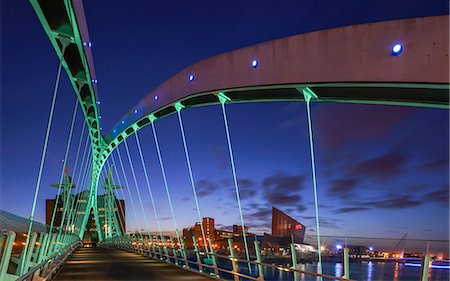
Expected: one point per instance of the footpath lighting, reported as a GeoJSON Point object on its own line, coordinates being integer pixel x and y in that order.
{"type": "Point", "coordinates": [397, 49]}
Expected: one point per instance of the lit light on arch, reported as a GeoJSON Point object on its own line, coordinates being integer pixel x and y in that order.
{"type": "Point", "coordinates": [397, 49]}
{"type": "Point", "coordinates": [254, 63]}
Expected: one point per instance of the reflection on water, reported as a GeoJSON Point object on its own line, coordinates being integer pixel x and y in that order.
{"type": "Point", "coordinates": [396, 272]}
{"type": "Point", "coordinates": [338, 269]}
{"type": "Point", "coordinates": [369, 271]}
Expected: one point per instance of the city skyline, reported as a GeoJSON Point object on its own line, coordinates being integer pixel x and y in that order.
{"type": "Point", "coordinates": [376, 165]}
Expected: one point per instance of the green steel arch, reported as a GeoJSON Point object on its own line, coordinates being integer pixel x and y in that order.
{"type": "Point", "coordinates": [350, 64]}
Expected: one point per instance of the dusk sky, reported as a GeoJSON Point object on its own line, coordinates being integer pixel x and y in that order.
{"type": "Point", "coordinates": [382, 170]}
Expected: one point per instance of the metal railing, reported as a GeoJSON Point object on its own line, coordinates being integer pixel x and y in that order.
{"type": "Point", "coordinates": [42, 257]}
{"type": "Point", "coordinates": [213, 264]}
{"type": "Point", "coordinates": [223, 262]}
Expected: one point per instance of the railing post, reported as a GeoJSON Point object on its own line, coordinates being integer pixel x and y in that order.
{"type": "Point", "coordinates": [199, 261]}
{"type": "Point", "coordinates": [294, 261]}
{"type": "Point", "coordinates": [258, 259]}
{"type": "Point", "coordinates": [44, 244]}
{"type": "Point", "coordinates": [233, 260]}
{"type": "Point", "coordinates": [425, 267]}
{"type": "Point", "coordinates": [175, 254]}
{"type": "Point", "coordinates": [6, 256]}
{"type": "Point", "coordinates": [183, 251]}
{"type": "Point", "coordinates": [213, 255]}
{"type": "Point", "coordinates": [26, 257]}
{"type": "Point", "coordinates": [346, 265]}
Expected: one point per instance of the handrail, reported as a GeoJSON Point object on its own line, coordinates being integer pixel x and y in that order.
{"type": "Point", "coordinates": [141, 249]}
{"type": "Point", "coordinates": [66, 254]}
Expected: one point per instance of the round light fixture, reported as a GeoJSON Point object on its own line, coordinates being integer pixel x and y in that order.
{"type": "Point", "coordinates": [397, 49]}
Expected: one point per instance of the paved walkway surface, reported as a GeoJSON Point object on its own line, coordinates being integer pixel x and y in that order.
{"type": "Point", "coordinates": [112, 264]}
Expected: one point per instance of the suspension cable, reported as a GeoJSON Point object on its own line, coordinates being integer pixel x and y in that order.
{"type": "Point", "coordinates": [166, 185]}
{"type": "Point", "coordinates": [44, 153]}
{"type": "Point", "coordinates": [120, 208]}
{"type": "Point", "coordinates": [78, 187]}
{"type": "Point", "coordinates": [191, 177]}
{"type": "Point", "coordinates": [118, 179]}
{"type": "Point", "coordinates": [84, 194]}
{"type": "Point", "coordinates": [313, 169]}
{"type": "Point", "coordinates": [144, 167]}
{"type": "Point", "coordinates": [63, 168]}
{"type": "Point", "coordinates": [137, 189]}
{"type": "Point", "coordinates": [233, 168]}
{"type": "Point", "coordinates": [111, 197]}
{"type": "Point", "coordinates": [128, 189]}
{"type": "Point", "coordinates": [80, 142]}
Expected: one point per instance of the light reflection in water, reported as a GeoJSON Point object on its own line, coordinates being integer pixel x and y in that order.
{"type": "Point", "coordinates": [338, 269]}
{"type": "Point", "coordinates": [369, 271]}
{"type": "Point", "coordinates": [302, 275]}
{"type": "Point", "coordinates": [396, 272]}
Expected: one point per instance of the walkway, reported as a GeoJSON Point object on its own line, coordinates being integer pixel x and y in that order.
{"type": "Point", "coordinates": [113, 264]}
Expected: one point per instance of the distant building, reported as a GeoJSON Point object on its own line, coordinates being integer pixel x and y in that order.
{"type": "Point", "coordinates": [285, 226]}
{"type": "Point", "coordinates": [196, 231]}
{"type": "Point", "coordinates": [90, 235]}
{"type": "Point", "coordinates": [237, 229]}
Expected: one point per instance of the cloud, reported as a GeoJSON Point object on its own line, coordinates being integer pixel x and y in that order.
{"type": "Point", "coordinates": [280, 198]}
{"type": "Point", "coordinates": [219, 154]}
{"type": "Point", "coordinates": [165, 218]}
{"type": "Point", "coordinates": [356, 122]}
{"type": "Point", "coordinates": [301, 208]}
{"type": "Point", "coordinates": [342, 187]}
{"type": "Point", "coordinates": [437, 164]}
{"type": "Point", "coordinates": [349, 210]}
{"type": "Point", "coordinates": [206, 187]}
{"type": "Point", "coordinates": [247, 187]}
{"type": "Point", "coordinates": [283, 182]}
{"type": "Point", "coordinates": [385, 166]}
{"type": "Point", "coordinates": [397, 202]}
{"type": "Point", "coordinates": [264, 214]}
{"type": "Point", "coordinates": [440, 196]}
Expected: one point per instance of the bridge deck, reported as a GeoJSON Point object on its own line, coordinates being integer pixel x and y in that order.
{"type": "Point", "coordinates": [113, 264]}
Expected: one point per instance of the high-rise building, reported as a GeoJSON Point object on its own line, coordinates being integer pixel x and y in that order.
{"type": "Point", "coordinates": [285, 226]}
{"type": "Point", "coordinates": [209, 227]}
{"type": "Point", "coordinates": [90, 234]}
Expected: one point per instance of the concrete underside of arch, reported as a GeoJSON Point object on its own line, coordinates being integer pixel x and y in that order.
{"type": "Point", "coordinates": [346, 64]}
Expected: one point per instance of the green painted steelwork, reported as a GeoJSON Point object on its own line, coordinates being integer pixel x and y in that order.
{"type": "Point", "coordinates": [66, 36]}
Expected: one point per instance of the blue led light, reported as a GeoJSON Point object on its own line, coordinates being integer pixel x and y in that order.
{"type": "Point", "coordinates": [123, 122]}
{"type": "Point", "coordinates": [90, 44]}
{"type": "Point", "coordinates": [155, 97]}
{"type": "Point", "coordinates": [191, 77]}
{"type": "Point", "coordinates": [84, 43]}
{"type": "Point", "coordinates": [338, 246]}
{"type": "Point", "coordinates": [135, 111]}
{"type": "Point", "coordinates": [255, 63]}
{"type": "Point", "coordinates": [99, 117]}
{"type": "Point", "coordinates": [370, 248]}
{"type": "Point", "coordinates": [98, 102]}
{"type": "Point", "coordinates": [114, 131]}
{"type": "Point", "coordinates": [397, 49]}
